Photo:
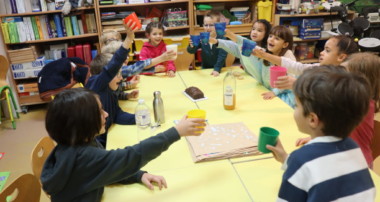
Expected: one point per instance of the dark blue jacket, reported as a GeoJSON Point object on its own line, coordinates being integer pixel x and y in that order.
{"type": "Point", "coordinates": [211, 58]}
{"type": "Point", "coordinates": [99, 84]}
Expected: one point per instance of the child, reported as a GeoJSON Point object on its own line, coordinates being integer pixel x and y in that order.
{"type": "Point", "coordinates": [280, 42]}
{"type": "Point", "coordinates": [336, 50]}
{"type": "Point", "coordinates": [106, 83]}
{"type": "Point", "coordinates": [79, 167]}
{"type": "Point", "coordinates": [110, 36]}
{"type": "Point", "coordinates": [156, 46]}
{"type": "Point", "coordinates": [331, 167]}
{"type": "Point", "coordinates": [367, 65]}
{"type": "Point", "coordinates": [212, 57]}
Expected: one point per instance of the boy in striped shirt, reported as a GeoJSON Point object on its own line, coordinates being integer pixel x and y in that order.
{"type": "Point", "coordinates": [330, 103]}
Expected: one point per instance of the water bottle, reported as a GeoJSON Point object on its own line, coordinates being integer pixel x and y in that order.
{"type": "Point", "coordinates": [229, 91]}
{"type": "Point", "coordinates": [143, 124]}
{"type": "Point", "coordinates": [158, 108]}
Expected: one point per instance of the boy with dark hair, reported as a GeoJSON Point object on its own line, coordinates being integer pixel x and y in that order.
{"type": "Point", "coordinates": [330, 103]}
{"type": "Point", "coordinates": [212, 56]}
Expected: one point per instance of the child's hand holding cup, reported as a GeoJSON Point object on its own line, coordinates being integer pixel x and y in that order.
{"type": "Point", "coordinates": [173, 48]}
{"type": "Point", "coordinates": [195, 40]}
{"type": "Point", "coordinates": [275, 72]}
{"type": "Point", "coordinates": [205, 36]}
{"type": "Point", "coordinates": [247, 47]}
{"type": "Point", "coordinates": [268, 136]}
{"type": "Point", "coordinates": [193, 124]}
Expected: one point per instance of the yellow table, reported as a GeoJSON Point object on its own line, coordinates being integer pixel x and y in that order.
{"type": "Point", "coordinates": [252, 178]}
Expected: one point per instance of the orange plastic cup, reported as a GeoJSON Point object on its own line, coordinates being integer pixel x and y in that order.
{"type": "Point", "coordinates": [133, 18]}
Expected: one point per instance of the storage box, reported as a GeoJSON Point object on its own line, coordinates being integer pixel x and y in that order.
{"type": "Point", "coordinates": [26, 73]}
{"type": "Point", "coordinates": [37, 64]}
{"type": "Point", "coordinates": [310, 33]}
{"type": "Point", "coordinates": [312, 23]}
{"type": "Point", "coordinates": [137, 1]}
{"type": "Point", "coordinates": [181, 42]}
{"type": "Point", "coordinates": [27, 87]}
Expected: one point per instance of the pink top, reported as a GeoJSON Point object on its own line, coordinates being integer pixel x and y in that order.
{"type": "Point", "coordinates": [149, 51]}
{"type": "Point", "coordinates": [364, 132]}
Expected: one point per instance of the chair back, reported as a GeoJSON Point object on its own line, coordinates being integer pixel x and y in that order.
{"type": "Point", "coordinates": [4, 66]}
{"type": "Point", "coordinates": [24, 188]}
{"type": "Point", "coordinates": [40, 153]}
{"type": "Point", "coordinates": [375, 146]}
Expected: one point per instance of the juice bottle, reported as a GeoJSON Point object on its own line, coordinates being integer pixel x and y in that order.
{"type": "Point", "coordinates": [229, 91]}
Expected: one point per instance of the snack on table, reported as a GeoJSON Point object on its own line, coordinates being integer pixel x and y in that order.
{"type": "Point", "coordinates": [194, 92]}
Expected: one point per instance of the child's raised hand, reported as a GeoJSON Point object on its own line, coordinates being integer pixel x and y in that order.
{"type": "Point", "coordinates": [147, 180]}
{"type": "Point", "coordinates": [215, 73]}
{"type": "Point", "coordinates": [130, 33]}
{"type": "Point", "coordinates": [191, 43]}
{"type": "Point", "coordinates": [168, 55]}
{"type": "Point", "coordinates": [190, 126]}
{"type": "Point", "coordinates": [133, 95]}
{"type": "Point", "coordinates": [278, 151]}
{"type": "Point", "coordinates": [259, 52]}
{"type": "Point", "coordinates": [268, 95]}
{"type": "Point", "coordinates": [171, 73]}
{"type": "Point", "coordinates": [302, 141]}
{"type": "Point", "coordinates": [285, 82]}
{"type": "Point", "coordinates": [213, 34]}
{"type": "Point", "coordinates": [213, 40]}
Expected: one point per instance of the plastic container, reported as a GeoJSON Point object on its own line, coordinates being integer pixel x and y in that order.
{"type": "Point", "coordinates": [143, 121]}
{"type": "Point", "coordinates": [265, 10]}
{"type": "Point", "coordinates": [229, 91]}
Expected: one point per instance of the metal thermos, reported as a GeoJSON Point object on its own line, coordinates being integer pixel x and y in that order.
{"type": "Point", "coordinates": [158, 108]}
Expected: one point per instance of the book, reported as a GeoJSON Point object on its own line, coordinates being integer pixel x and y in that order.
{"type": "Point", "coordinates": [88, 22]}
{"type": "Point", "coordinates": [8, 7]}
{"type": "Point", "coordinates": [87, 53]}
{"type": "Point", "coordinates": [79, 51]}
{"type": "Point", "coordinates": [74, 22]}
{"type": "Point", "coordinates": [29, 27]}
{"type": "Point", "coordinates": [21, 31]}
{"type": "Point", "coordinates": [39, 28]}
{"type": "Point", "coordinates": [48, 27]}
{"type": "Point", "coordinates": [63, 25]}
{"type": "Point", "coordinates": [59, 4]}
{"type": "Point", "coordinates": [84, 23]}
{"type": "Point", "coordinates": [43, 5]}
{"type": "Point", "coordinates": [13, 6]}
{"type": "Point", "coordinates": [92, 21]}
{"type": "Point", "coordinates": [20, 6]}
{"type": "Point", "coordinates": [35, 29]}
{"type": "Point", "coordinates": [13, 35]}
{"type": "Point", "coordinates": [80, 25]}
{"type": "Point", "coordinates": [53, 27]}
{"type": "Point", "coordinates": [58, 25]}
{"type": "Point", "coordinates": [4, 28]}
{"type": "Point", "coordinates": [35, 5]}
{"type": "Point", "coordinates": [3, 9]}
{"type": "Point", "coordinates": [71, 52]}
{"type": "Point", "coordinates": [28, 6]}
{"type": "Point", "coordinates": [68, 25]}
{"type": "Point", "coordinates": [113, 22]}
{"type": "Point", "coordinates": [43, 27]}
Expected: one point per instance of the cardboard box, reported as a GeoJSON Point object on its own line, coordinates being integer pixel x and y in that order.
{"type": "Point", "coordinates": [37, 64]}
{"type": "Point", "coordinates": [26, 73]}
{"type": "Point", "coordinates": [27, 87]}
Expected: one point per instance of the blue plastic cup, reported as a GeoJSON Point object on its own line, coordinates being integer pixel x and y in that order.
{"type": "Point", "coordinates": [247, 48]}
{"type": "Point", "coordinates": [219, 28]}
{"type": "Point", "coordinates": [196, 39]}
{"type": "Point", "coordinates": [205, 36]}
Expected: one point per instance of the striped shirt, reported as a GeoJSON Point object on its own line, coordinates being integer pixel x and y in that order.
{"type": "Point", "coordinates": [327, 169]}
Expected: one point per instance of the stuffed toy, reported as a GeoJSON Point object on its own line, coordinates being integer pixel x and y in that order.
{"type": "Point", "coordinates": [75, 4]}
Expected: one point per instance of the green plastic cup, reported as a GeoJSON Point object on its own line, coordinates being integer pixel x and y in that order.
{"type": "Point", "coordinates": [269, 136]}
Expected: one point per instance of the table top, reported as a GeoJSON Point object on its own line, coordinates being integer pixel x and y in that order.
{"type": "Point", "coordinates": [251, 178]}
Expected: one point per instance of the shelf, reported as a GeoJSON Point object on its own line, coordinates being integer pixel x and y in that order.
{"type": "Point", "coordinates": [57, 39]}
{"type": "Point", "coordinates": [296, 39]}
{"type": "Point", "coordinates": [210, 1]}
{"type": "Point", "coordinates": [237, 29]}
{"type": "Point", "coordinates": [44, 12]}
{"type": "Point", "coordinates": [144, 4]}
{"type": "Point", "coordinates": [167, 29]}
{"type": "Point", "coordinates": [30, 100]}
{"type": "Point", "coordinates": [313, 60]}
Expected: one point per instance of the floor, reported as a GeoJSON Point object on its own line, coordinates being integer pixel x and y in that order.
{"type": "Point", "coordinates": [18, 144]}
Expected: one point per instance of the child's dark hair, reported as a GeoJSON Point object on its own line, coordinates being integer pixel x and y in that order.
{"type": "Point", "coordinates": [73, 117]}
{"type": "Point", "coordinates": [150, 26]}
{"type": "Point", "coordinates": [346, 44]}
{"type": "Point", "coordinates": [100, 61]}
{"type": "Point", "coordinates": [340, 99]}
{"type": "Point", "coordinates": [268, 27]}
{"type": "Point", "coordinates": [214, 14]}
{"type": "Point", "coordinates": [284, 33]}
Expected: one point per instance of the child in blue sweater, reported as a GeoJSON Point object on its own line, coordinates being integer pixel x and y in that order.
{"type": "Point", "coordinates": [330, 103]}
{"type": "Point", "coordinates": [212, 57]}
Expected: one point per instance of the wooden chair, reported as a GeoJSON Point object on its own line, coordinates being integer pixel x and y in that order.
{"type": "Point", "coordinates": [6, 91]}
{"type": "Point", "coordinates": [40, 153]}
{"type": "Point", "coordinates": [24, 188]}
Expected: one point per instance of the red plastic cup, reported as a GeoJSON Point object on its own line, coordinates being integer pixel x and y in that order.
{"type": "Point", "coordinates": [133, 18]}
{"type": "Point", "coordinates": [275, 72]}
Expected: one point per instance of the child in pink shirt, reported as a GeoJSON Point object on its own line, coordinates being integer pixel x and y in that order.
{"type": "Point", "coordinates": [155, 47]}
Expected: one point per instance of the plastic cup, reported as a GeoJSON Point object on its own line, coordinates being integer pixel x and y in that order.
{"type": "Point", "coordinates": [275, 72]}
{"type": "Point", "coordinates": [196, 39]}
{"type": "Point", "coordinates": [205, 36]}
{"type": "Point", "coordinates": [219, 28]}
{"type": "Point", "coordinates": [174, 48]}
{"type": "Point", "coordinates": [267, 136]}
{"type": "Point", "coordinates": [133, 18]}
{"type": "Point", "coordinates": [248, 46]}
{"type": "Point", "coordinates": [197, 113]}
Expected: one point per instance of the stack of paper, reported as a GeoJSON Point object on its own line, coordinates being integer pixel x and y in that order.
{"type": "Point", "coordinates": [223, 141]}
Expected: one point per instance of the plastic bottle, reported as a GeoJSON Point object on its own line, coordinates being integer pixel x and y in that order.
{"type": "Point", "coordinates": [229, 91]}
{"type": "Point", "coordinates": [143, 123]}
{"type": "Point", "coordinates": [158, 108]}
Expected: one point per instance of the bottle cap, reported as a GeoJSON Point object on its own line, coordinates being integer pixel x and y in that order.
{"type": "Point", "coordinates": [157, 93]}
{"type": "Point", "coordinates": [141, 101]}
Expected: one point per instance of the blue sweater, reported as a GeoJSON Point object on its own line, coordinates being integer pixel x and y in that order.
{"type": "Point", "coordinates": [327, 169]}
{"type": "Point", "coordinates": [211, 58]}
{"type": "Point", "coordinates": [99, 84]}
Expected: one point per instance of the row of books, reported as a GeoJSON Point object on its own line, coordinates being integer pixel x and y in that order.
{"type": "Point", "coordinates": [28, 6]}
{"type": "Point", "coordinates": [42, 27]}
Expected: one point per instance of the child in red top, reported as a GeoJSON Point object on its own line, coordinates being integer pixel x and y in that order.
{"type": "Point", "coordinates": [155, 47]}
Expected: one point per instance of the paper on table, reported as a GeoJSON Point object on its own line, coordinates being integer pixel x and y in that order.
{"type": "Point", "coordinates": [223, 141]}
{"type": "Point", "coordinates": [188, 96]}
{"type": "Point", "coordinates": [3, 179]}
